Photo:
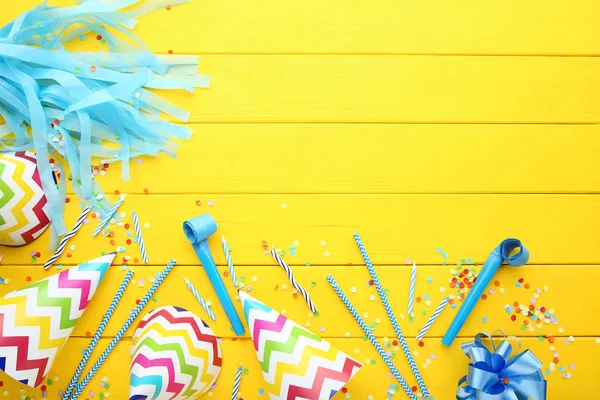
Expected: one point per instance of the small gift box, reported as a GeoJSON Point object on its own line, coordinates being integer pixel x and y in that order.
{"type": "Point", "coordinates": [495, 375]}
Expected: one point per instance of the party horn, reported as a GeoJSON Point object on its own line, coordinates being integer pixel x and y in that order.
{"type": "Point", "coordinates": [491, 265]}
{"type": "Point", "coordinates": [197, 230]}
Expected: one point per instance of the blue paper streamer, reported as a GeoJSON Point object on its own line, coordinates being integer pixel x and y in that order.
{"type": "Point", "coordinates": [101, 100]}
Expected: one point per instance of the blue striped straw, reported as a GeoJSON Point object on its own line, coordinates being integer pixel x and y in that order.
{"type": "Point", "coordinates": [371, 338]}
{"type": "Point", "coordinates": [135, 313]}
{"type": "Point", "coordinates": [140, 238]}
{"type": "Point", "coordinates": [94, 342]}
{"type": "Point", "coordinates": [433, 317]}
{"type": "Point", "coordinates": [229, 261]}
{"type": "Point", "coordinates": [109, 215]}
{"type": "Point", "coordinates": [411, 289]}
{"type": "Point", "coordinates": [63, 242]}
{"type": "Point", "coordinates": [200, 299]}
{"type": "Point", "coordinates": [236, 383]}
{"type": "Point", "coordinates": [391, 316]}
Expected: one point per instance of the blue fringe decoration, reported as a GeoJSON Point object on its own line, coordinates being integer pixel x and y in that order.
{"type": "Point", "coordinates": [85, 105]}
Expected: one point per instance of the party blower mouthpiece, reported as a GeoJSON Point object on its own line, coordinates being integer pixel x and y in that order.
{"type": "Point", "coordinates": [500, 255]}
{"type": "Point", "coordinates": [197, 230]}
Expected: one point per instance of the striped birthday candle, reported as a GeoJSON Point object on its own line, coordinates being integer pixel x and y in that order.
{"type": "Point", "coordinates": [229, 261]}
{"type": "Point", "coordinates": [109, 215]}
{"type": "Point", "coordinates": [293, 280]}
{"type": "Point", "coordinates": [433, 317]}
{"type": "Point", "coordinates": [140, 238]}
{"type": "Point", "coordinates": [411, 289]}
{"type": "Point", "coordinates": [236, 383]}
{"type": "Point", "coordinates": [203, 303]}
{"type": "Point", "coordinates": [63, 242]}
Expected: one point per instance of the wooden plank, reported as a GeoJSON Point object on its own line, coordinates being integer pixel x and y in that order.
{"type": "Point", "coordinates": [394, 227]}
{"type": "Point", "coordinates": [441, 374]}
{"type": "Point", "coordinates": [342, 158]}
{"type": "Point", "coordinates": [404, 89]}
{"type": "Point", "coordinates": [572, 304]}
{"type": "Point", "coordinates": [364, 27]}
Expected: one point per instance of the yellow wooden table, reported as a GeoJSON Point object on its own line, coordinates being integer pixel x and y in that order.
{"type": "Point", "coordinates": [435, 128]}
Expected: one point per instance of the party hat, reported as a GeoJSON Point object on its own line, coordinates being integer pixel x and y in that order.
{"type": "Point", "coordinates": [175, 355]}
{"type": "Point", "coordinates": [37, 320]}
{"type": "Point", "coordinates": [296, 363]}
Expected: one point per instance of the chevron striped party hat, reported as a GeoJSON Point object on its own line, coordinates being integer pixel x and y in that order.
{"type": "Point", "coordinates": [37, 320]}
{"type": "Point", "coordinates": [175, 356]}
{"type": "Point", "coordinates": [296, 363]}
{"type": "Point", "coordinates": [23, 204]}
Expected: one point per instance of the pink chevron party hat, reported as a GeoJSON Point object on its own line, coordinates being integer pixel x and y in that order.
{"type": "Point", "coordinates": [37, 320]}
{"type": "Point", "coordinates": [296, 363]}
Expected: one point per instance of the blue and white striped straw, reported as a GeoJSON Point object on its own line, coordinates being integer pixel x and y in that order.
{"type": "Point", "coordinates": [391, 316]}
{"type": "Point", "coordinates": [109, 215]}
{"type": "Point", "coordinates": [236, 383]}
{"type": "Point", "coordinates": [63, 242]}
{"type": "Point", "coordinates": [134, 314]}
{"type": "Point", "coordinates": [433, 317]}
{"type": "Point", "coordinates": [200, 299]}
{"type": "Point", "coordinates": [229, 261]}
{"type": "Point", "coordinates": [371, 338]}
{"type": "Point", "coordinates": [411, 289]}
{"type": "Point", "coordinates": [94, 342]}
{"type": "Point", "coordinates": [140, 238]}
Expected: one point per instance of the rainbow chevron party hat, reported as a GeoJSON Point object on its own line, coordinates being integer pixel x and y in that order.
{"type": "Point", "coordinates": [296, 363]}
{"type": "Point", "coordinates": [37, 320]}
{"type": "Point", "coordinates": [175, 355]}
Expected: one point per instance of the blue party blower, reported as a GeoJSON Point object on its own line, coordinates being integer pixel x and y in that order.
{"type": "Point", "coordinates": [197, 230]}
{"type": "Point", "coordinates": [491, 265]}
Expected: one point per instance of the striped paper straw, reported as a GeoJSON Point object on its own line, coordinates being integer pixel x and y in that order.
{"type": "Point", "coordinates": [138, 233]}
{"type": "Point", "coordinates": [109, 215]}
{"type": "Point", "coordinates": [236, 383]}
{"type": "Point", "coordinates": [391, 316]}
{"type": "Point", "coordinates": [200, 299]}
{"type": "Point", "coordinates": [411, 289]}
{"type": "Point", "coordinates": [134, 314]}
{"type": "Point", "coordinates": [433, 317]}
{"type": "Point", "coordinates": [229, 261]}
{"type": "Point", "coordinates": [371, 338]}
{"type": "Point", "coordinates": [293, 281]}
{"type": "Point", "coordinates": [63, 242]}
{"type": "Point", "coordinates": [94, 342]}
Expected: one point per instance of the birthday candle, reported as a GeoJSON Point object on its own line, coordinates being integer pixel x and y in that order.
{"type": "Point", "coordinates": [229, 261]}
{"type": "Point", "coordinates": [63, 242]}
{"type": "Point", "coordinates": [236, 383]}
{"type": "Point", "coordinates": [200, 299]}
{"type": "Point", "coordinates": [140, 238]}
{"type": "Point", "coordinates": [293, 281]}
{"type": "Point", "coordinates": [432, 319]}
{"type": "Point", "coordinates": [109, 215]}
{"type": "Point", "coordinates": [411, 289]}
{"type": "Point", "coordinates": [371, 337]}
{"type": "Point", "coordinates": [134, 314]}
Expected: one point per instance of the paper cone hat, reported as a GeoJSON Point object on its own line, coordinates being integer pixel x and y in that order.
{"type": "Point", "coordinates": [37, 320]}
{"type": "Point", "coordinates": [175, 355]}
{"type": "Point", "coordinates": [296, 363]}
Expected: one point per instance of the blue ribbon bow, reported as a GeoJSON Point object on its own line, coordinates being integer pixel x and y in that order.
{"type": "Point", "coordinates": [497, 376]}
